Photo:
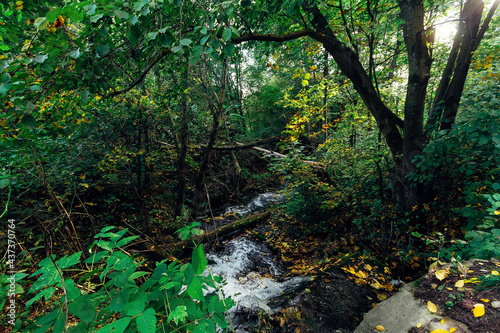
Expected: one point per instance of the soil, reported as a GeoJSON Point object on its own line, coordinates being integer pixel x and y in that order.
{"type": "Point", "coordinates": [457, 303]}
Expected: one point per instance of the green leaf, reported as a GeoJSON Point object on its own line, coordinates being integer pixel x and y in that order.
{"type": "Point", "coordinates": [5, 88]}
{"type": "Point", "coordinates": [53, 14]}
{"type": "Point", "coordinates": [175, 49]}
{"type": "Point", "coordinates": [66, 262]}
{"type": "Point", "coordinates": [194, 289]}
{"type": "Point", "coordinates": [133, 19]}
{"type": "Point", "coordinates": [84, 308]}
{"type": "Point", "coordinates": [47, 293]}
{"type": "Point", "coordinates": [136, 306]}
{"type": "Point", "coordinates": [95, 18]}
{"type": "Point", "coordinates": [28, 121]}
{"type": "Point", "coordinates": [102, 49]}
{"type": "Point", "coordinates": [5, 78]}
{"type": "Point", "coordinates": [226, 35]}
{"type": "Point", "coordinates": [121, 15]}
{"type": "Point", "coordinates": [169, 285]}
{"type": "Point", "coordinates": [246, 3]}
{"type": "Point", "coordinates": [90, 9]}
{"type": "Point", "coordinates": [60, 322]}
{"type": "Point", "coordinates": [178, 315]}
{"type": "Point", "coordinates": [72, 291]}
{"type": "Point", "coordinates": [152, 35]}
{"type": "Point", "coordinates": [139, 4]}
{"type": "Point", "coordinates": [95, 257]}
{"type": "Point", "coordinates": [204, 39]}
{"type": "Point", "coordinates": [134, 34]}
{"type": "Point", "coordinates": [74, 13]}
{"type": "Point", "coordinates": [199, 260]}
{"type": "Point", "coordinates": [146, 322]}
{"type": "Point", "coordinates": [136, 275]}
{"type": "Point", "coordinates": [120, 299]}
{"type": "Point", "coordinates": [125, 241]}
{"type": "Point", "coordinates": [228, 49]}
{"type": "Point", "coordinates": [48, 319]}
{"type": "Point", "coordinates": [118, 326]}
{"type": "Point", "coordinates": [40, 58]}
{"type": "Point", "coordinates": [75, 54]}
{"type": "Point", "coordinates": [186, 41]}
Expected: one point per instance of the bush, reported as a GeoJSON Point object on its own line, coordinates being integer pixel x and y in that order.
{"type": "Point", "coordinates": [119, 297]}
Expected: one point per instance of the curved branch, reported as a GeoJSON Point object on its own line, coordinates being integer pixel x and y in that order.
{"type": "Point", "coordinates": [143, 74]}
{"type": "Point", "coordinates": [271, 37]}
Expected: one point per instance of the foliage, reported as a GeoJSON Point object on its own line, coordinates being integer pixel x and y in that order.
{"type": "Point", "coordinates": [460, 168]}
{"type": "Point", "coordinates": [117, 292]}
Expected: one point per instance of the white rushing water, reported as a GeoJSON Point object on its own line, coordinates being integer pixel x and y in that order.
{"type": "Point", "coordinates": [259, 202]}
{"type": "Point", "coordinates": [249, 270]}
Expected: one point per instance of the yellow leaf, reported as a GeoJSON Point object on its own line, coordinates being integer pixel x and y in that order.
{"type": "Point", "coordinates": [459, 284]}
{"type": "Point", "coordinates": [441, 274]}
{"type": "Point", "coordinates": [495, 273]}
{"type": "Point", "coordinates": [431, 307]}
{"type": "Point", "coordinates": [419, 325]}
{"type": "Point", "coordinates": [478, 310]}
{"type": "Point", "coordinates": [439, 331]}
{"type": "Point", "coordinates": [485, 300]}
{"type": "Point", "coordinates": [442, 321]}
{"type": "Point", "coordinates": [380, 328]}
{"type": "Point", "coordinates": [453, 329]}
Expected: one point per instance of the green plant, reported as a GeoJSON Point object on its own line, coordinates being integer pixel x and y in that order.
{"type": "Point", "coordinates": [119, 297]}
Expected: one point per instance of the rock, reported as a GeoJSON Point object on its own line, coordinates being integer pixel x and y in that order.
{"type": "Point", "coordinates": [496, 304]}
{"type": "Point", "coordinates": [397, 314]}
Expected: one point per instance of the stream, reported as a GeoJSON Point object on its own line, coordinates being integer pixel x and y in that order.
{"type": "Point", "coordinates": [253, 277]}
{"type": "Point", "coordinates": [256, 281]}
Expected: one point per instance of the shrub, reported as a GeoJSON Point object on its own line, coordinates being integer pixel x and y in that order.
{"type": "Point", "coordinates": [174, 297]}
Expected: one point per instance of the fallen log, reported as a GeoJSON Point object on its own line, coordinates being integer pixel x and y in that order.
{"type": "Point", "coordinates": [247, 222]}
{"type": "Point", "coordinates": [273, 153]}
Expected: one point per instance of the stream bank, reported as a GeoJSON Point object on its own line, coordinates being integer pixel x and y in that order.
{"type": "Point", "coordinates": [267, 295]}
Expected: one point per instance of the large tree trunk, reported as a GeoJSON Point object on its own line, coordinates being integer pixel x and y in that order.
{"type": "Point", "coordinates": [404, 147]}
{"type": "Point", "coordinates": [472, 36]}
{"type": "Point", "coordinates": [419, 67]}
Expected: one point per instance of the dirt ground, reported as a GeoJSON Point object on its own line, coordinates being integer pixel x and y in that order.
{"type": "Point", "coordinates": [458, 302]}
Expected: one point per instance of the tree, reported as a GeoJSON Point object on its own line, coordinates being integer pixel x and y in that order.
{"type": "Point", "coordinates": [405, 138]}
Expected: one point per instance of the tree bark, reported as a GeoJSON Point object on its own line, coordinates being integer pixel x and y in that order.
{"type": "Point", "coordinates": [419, 67]}
{"type": "Point", "coordinates": [246, 222]}
{"type": "Point", "coordinates": [181, 159]}
{"type": "Point", "coordinates": [467, 39]}
{"type": "Point", "coordinates": [403, 147]}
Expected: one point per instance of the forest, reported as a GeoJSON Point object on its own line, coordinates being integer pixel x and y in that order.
{"type": "Point", "coordinates": [129, 128]}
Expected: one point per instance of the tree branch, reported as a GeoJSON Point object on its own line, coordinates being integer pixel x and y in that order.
{"type": "Point", "coordinates": [271, 37]}
{"type": "Point", "coordinates": [142, 76]}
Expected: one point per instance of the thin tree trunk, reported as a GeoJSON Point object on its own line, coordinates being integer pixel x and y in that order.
{"type": "Point", "coordinates": [216, 111]}
{"type": "Point", "coordinates": [181, 159]}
